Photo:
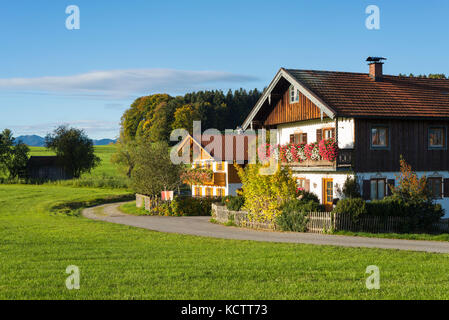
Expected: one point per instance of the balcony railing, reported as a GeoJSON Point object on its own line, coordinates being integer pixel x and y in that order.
{"type": "Point", "coordinates": [344, 160]}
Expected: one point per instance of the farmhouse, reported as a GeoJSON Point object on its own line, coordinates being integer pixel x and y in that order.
{"type": "Point", "coordinates": [372, 118]}
{"type": "Point", "coordinates": [220, 161]}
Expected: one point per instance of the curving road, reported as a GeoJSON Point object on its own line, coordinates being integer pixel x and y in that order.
{"type": "Point", "coordinates": [200, 226]}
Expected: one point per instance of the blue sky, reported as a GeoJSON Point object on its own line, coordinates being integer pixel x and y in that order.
{"type": "Point", "coordinates": [125, 49]}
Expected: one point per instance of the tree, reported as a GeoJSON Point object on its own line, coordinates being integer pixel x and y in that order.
{"type": "Point", "coordinates": [123, 156]}
{"type": "Point", "coordinates": [153, 170]}
{"type": "Point", "coordinates": [410, 188]}
{"type": "Point", "coordinates": [18, 160]}
{"type": "Point", "coordinates": [184, 117]}
{"type": "Point", "coordinates": [74, 150]}
{"type": "Point", "coordinates": [265, 194]}
{"type": "Point", "coordinates": [13, 156]}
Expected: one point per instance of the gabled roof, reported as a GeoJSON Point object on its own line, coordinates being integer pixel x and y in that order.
{"type": "Point", "coordinates": [230, 150]}
{"type": "Point", "coordinates": [350, 94]}
{"type": "Point", "coordinates": [266, 96]}
{"type": "Point", "coordinates": [357, 94]}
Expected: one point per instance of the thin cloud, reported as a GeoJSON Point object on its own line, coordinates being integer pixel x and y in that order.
{"type": "Point", "coordinates": [121, 83]}
{"type": "Point", "coordinates": [110, 128]}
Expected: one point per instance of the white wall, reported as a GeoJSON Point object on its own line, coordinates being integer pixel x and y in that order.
{"type": "Point", "coordinates": [345, 130]}
{"type": "Point", "coordinates": [228, 190]}
{"type": "Point", "coordinates": [392, 175]}
{"type": "Point", "coordinates": [316, 181]}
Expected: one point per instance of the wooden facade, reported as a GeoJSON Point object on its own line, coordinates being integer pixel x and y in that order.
{"type": "Point", "coordinates": [409, 138]}
{"type": "Point", "coordinates": [284, 111]}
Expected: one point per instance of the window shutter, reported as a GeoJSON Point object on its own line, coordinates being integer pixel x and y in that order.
{"type": "Point", "coordinates": [297, 137]}
{"type": "Point", "coordinates": [390, 182]}
{"type": "Point", "coordinates": [319, 135]}
{"type": "Point", "coordinates": [333, 133]}
{"type": "Point", "coordinates": [304, 138]}
{"type": "Point", "coordinates": [292, 138]}
{"type": "Point", "coordinates": [307, 185]}
{"type": "Point", "coordinates": [366, 189]}
{"type": "Point", "coordinates": [446, 188]}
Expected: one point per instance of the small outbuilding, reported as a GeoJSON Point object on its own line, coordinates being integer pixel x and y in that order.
{"type": "Point", "coordinates": [46, 168]}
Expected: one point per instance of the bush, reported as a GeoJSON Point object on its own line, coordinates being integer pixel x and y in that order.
{"type": "Point", "coordinates": [351, 189]}
{"type": "Point", "coordinates": [234, 203]}
{"type": "Point", "coordinates": [421, 214]}
{"type": "Point", "coordinates": [266, 193]}
{"type": "Point", "coordinates": [294, 214]}
{"type": "Point", "coordinates": [355, 207]}
{"type": "Point", "coordinates": [306, 196]}
{"type": "Point", "coordinates": [189, 206]}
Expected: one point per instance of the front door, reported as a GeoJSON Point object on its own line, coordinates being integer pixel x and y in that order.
{"type": "Point", "coordinates": [328, 194]}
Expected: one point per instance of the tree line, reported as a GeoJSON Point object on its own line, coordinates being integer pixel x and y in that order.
{"type": "Point", "coordinates": [155, 116]}
{"type": "Point", "coordinates": [150, 120]}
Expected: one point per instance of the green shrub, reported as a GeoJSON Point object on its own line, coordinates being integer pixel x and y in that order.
{"type": "Point", "coordinates": [421, 214]}
{"type": "Point", "coordinates": [351, 189]}
{"type": "Point", "coordinates": [294, 214]}
{"type": "Point", "coordinates": [190, 206]}
{"type": "Point", "coordinates": [234, 203]}
{"type": "Point", "coordinates": [163, 209]}
{"type": "Point", "coordinates": [307, 196]}
{"type": "Point", "coordinates": [355, 207]}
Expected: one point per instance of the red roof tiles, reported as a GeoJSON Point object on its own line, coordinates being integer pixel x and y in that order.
{"type": "Point", "coordinates": [358, 95]}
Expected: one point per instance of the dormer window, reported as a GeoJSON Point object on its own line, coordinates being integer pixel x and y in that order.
{"type": "Point", "coordinates": [294, 94]}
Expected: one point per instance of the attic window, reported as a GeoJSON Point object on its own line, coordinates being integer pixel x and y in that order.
{"type": "Point", "coordinates": [294, 94]}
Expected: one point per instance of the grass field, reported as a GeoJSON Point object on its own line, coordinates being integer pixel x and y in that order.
{"type": "Point", "coordinates": [37, 244]}
{"type": "Point", "coordinates": [105, 175]}
{"type": "Point", "coordinates": [106, 168]}
{"type": "Point", "coordinates": [407, 236]}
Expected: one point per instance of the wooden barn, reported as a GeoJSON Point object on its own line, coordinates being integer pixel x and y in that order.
{"type": "Point", "coordinates": [46, 168]}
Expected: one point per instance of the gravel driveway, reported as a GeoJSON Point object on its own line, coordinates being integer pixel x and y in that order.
{"type": "Point", "coordinates": [200, 226]}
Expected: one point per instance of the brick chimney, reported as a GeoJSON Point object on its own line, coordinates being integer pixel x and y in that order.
{"type": "Point", "coordinates": [375, 67]}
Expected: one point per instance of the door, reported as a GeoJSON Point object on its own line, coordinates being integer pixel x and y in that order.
{"type": "Point", "coordinates": [328, 194]}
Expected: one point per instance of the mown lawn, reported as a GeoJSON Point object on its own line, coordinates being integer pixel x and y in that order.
{"type": "Point", "coordinates": [119, 262]}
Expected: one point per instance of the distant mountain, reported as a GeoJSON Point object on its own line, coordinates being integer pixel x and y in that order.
{"type": "Point", "coordinates": [103, 142]}
{"type": "Point", "coordinates": [36, 141]}
{"type": "Point", "coordinates": [32, 141]}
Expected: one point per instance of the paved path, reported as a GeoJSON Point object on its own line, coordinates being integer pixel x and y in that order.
{"type": "Point", "coordinates": [200, 226]}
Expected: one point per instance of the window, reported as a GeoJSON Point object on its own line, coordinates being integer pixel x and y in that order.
{"type": "Point", "coordinates": [379, 137]}
{"type": "Point", "coordinates": [209, 192]}
{"type": "Point", "coordinates": [294, 95]}
{"type": "Point", "coordinates": [220, 192]}
{"type": "Point", "coordinates": [328, 133]}
{"type": "Point", "coordinates": [220, 166]}
{"type": "Point", "coordinates": [435, 186]}
{"type": "Point", "coordinates": [437, 137]}
{"type": "Point", "coordinates": [377, 189]}
{"type": "Point", "coordinates": [208, 165]}
{"type": "Point", "coordinates": [301, 183]}
{"type": "Point", "coordinates": [197, 192]}
{"type": "Point", "coordinates": [298, 138]}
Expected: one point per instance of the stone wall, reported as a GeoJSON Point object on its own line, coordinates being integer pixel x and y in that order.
{"type": "Point", "coordinates": [140, 200]}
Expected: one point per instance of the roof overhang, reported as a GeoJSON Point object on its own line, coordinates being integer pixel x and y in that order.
{"type": "Point", "coordinates": [189, 138]}
{"type": "Point", "coordinates": [282, 73]}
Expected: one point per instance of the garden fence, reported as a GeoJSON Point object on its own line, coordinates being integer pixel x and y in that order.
{"type": "Point", "coordinates": [326, 222]}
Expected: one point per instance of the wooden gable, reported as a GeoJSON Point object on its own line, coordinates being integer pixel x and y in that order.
{"type": "Point", "coordinates": [284, 111]}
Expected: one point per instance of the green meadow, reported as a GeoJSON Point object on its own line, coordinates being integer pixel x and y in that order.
{"type": "Point", "coordinates": [106, 168]}
{"type": "Point", "coordinates": [42, 233]}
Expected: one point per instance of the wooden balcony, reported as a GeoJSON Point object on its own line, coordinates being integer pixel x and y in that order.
{"type": "Point", "coordinates": [344, 160]}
